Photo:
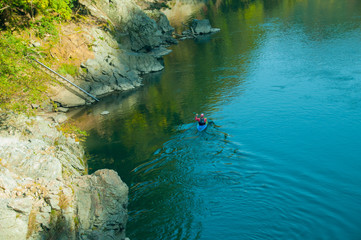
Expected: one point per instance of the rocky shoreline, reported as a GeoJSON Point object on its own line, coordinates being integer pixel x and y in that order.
{"type": "Point", "coordinates": [44, 193]}
{"type": "Point", "coordinates": [126, 43]}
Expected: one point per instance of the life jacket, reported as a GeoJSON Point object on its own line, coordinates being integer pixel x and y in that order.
{"type": "Point", "coordinates": [201, 122]}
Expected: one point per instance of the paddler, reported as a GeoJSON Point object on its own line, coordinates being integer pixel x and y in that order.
{"type": "Point", "coordinates": [201, 121]}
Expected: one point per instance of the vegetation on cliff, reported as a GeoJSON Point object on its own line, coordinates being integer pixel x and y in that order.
{"type": "Point", "coordinates": [23, 24]}
{"type": "Point", "coordinates": [49, 30]}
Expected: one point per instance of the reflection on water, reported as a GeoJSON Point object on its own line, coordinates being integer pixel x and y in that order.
{"type": "Point", "coordinates": [281, 82]}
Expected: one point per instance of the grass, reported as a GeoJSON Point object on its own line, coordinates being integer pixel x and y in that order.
{"type": "Point", "coordinates": [70, 130]}
{"type": "Point", "coordinates": [32, 223]}
{"type": "Point", "coordinates": [21, 82]}
{"type": "Point", "coordinates": [64, 201]}
{"type": "Point", "coordinates": [68, 69]}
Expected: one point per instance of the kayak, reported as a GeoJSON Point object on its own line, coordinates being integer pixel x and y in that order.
{"type": "Point", "coordinates": [202, 127]}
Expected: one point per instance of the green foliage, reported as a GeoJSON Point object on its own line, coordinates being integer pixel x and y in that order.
{"type": "Point", "coordinates": [68, 69]}
{"type": "Point", "coordinates": [69, 129]}
{"type": "Point", "coordinates": [15, 13]}
{"type": "Point", "coordinates": [18, 86]}
{"type": "Point", "coordinates": [44, 26]}
{"type": "Point", "coordinates": [159, 4]}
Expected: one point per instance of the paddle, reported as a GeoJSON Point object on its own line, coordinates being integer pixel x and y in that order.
{"type": "Point", "coordinates": [208, 120]}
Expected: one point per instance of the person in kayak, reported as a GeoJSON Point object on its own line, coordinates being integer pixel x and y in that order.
{"type": "Point", "coordinates": [201, 121]}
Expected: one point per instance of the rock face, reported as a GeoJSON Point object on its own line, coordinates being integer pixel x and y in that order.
{"type": "Point", "coordinates": [101, 205]}
{"type": "Point", "coordinates": [129, 43]}
{"type": "Point", "coordinates": [43, 192]}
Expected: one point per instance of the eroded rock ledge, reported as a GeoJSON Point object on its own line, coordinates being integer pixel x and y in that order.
{"type": "Point", "coordinates": [127, 43]}
{"type": "Point", "coordinates": [44, 193]}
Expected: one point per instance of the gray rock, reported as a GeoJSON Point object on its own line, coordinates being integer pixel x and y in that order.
{"type": "Point", "coordinates": [46, 167]}
{"type": "Point", "coordinates": [36, 44]}
{"type": "Point", "coordinates": [116, 12]}
{"type": "Point", "coordinates": [12, 224]}
{"type": "Point", "coordinates": [143, 32]}
{"type": "Point", "coordinates": [144, 63]}
{"type": "Point", "coordinates": [104, 113]}
{"type": "Point", "coordinates": [201, 26]}
{"type": "Point", "coordinates": [45, 209]}
{"type": "Point", "coordinates": [100, 89]}
{"type": "Point", "coordinates": [60, 118]}
{"type": "Point", "coordinates": [35, 106]}
{"type": "Point", "coordinates": [7, 181]}
{"type": "Point", "coordinates": [160, 52]}
{"type": "Point", "coordinates": [22, 205]}
{"type": "Point", "coordinates": [53, 201]}
{"type": "Point", "coordinates": [133, 50]}
{"type": "Point", "coordinates": [66, 97]}
{"type": "Point", "coordinates": [63, 109]}
{"type": "Point", "coordinates": [102, 200]}
{"type": "Point", "coordinates": [43, 219]}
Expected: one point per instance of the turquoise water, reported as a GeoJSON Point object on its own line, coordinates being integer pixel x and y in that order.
{"type": "Point", "coordinates": [282, 83]}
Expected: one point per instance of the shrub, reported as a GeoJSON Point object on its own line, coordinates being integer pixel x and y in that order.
{"type": "Point", "coordinates": [19, 12]}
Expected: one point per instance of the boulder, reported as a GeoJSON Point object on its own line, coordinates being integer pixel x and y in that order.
{"type": "Point", "coordinates": [102, 200]}
{"type": "Point", "coordinates": [201, 26]}
{"type": "Point", "coordinates": [143, 33]}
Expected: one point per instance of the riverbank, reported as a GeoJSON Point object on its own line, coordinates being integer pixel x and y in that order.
{"type": "Point", "coordinates": [124, 42]}
{"type": "Point", "coordinates": [44, 189]}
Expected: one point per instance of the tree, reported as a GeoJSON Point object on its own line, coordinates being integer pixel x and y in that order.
{"type": "Point", "coordinates": [19, 12]}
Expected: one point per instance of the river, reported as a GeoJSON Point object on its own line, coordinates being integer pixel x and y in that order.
{"type": "Point", "coordinates": [282, 83]}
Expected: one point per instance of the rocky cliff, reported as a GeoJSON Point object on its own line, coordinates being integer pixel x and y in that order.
{"type": "Point", "coordinates": [127, 42]}
{"type": "Point", "coordinates": [44, 193]}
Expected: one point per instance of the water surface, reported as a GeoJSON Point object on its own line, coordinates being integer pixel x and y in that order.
{"type": "Point", "coordinates": [282, 83]}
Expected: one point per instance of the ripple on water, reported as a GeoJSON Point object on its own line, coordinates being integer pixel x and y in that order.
{"type": "Point", "coordinates": [190, 176]}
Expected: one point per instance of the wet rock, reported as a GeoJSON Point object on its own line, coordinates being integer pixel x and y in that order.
{"type": "Point", "coordinates": [198, 28]}
{"type": "Point", "coordinates": [201, 26]}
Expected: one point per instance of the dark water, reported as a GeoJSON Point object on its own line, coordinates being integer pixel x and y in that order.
{"type": "Point", "coordinates": [282, 83]}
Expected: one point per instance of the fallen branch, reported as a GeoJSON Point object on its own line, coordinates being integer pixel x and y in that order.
{"type": "Point", "coordinates": [4, 8]}
{"type": "Point", "coordinates": [192, 31]}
